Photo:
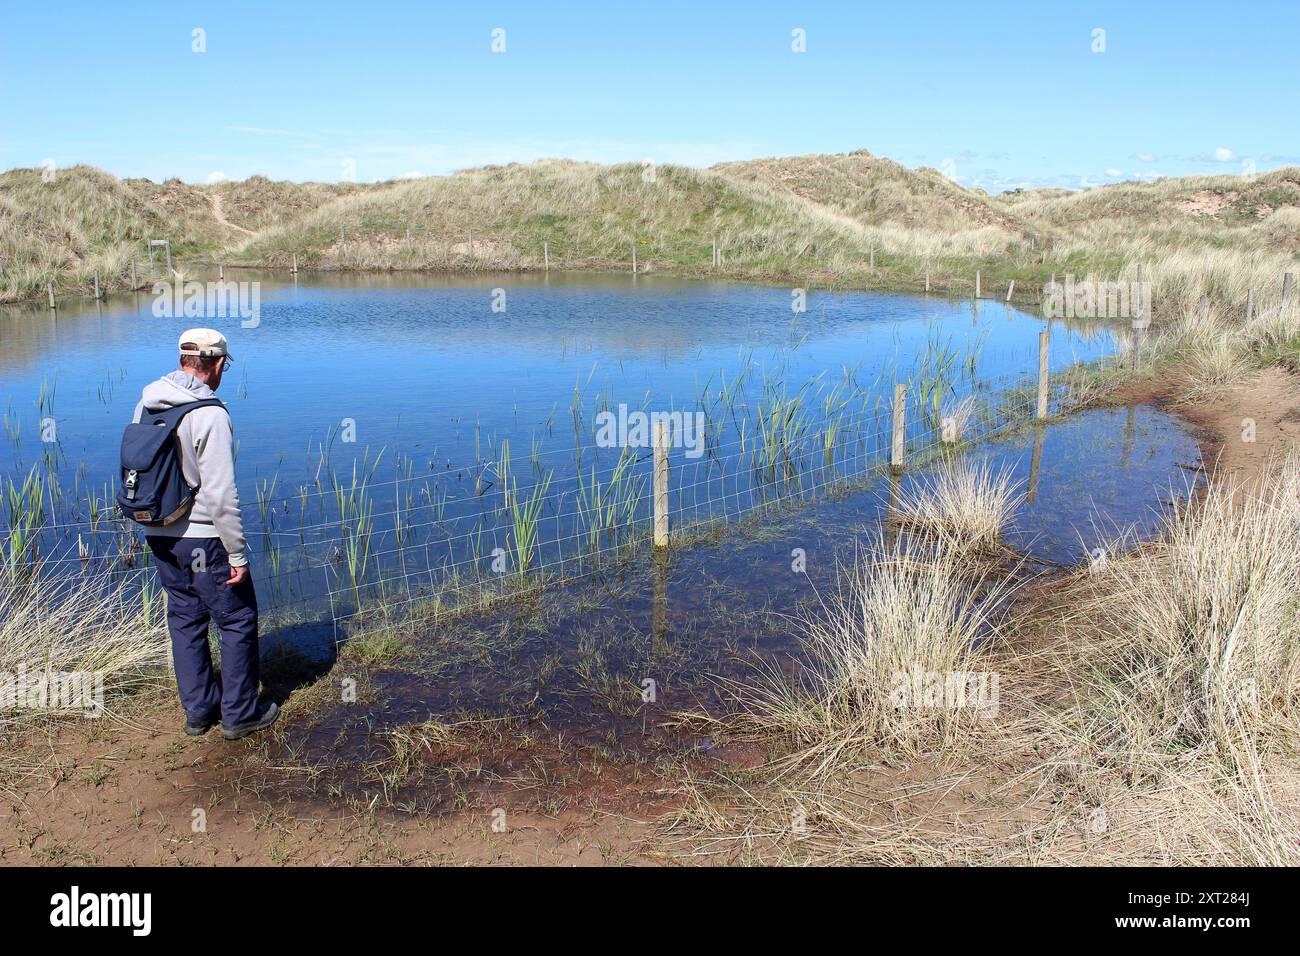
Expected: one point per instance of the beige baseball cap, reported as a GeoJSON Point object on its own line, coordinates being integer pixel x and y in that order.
{"type": "Point", "coordinates": [205, 343]}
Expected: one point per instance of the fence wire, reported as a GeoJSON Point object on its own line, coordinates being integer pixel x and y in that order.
{"type": "Point", "coordinates": [366, 547]}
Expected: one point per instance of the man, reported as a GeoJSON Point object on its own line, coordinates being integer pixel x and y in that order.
{"type": "Point", "coordinates": [202, 558]}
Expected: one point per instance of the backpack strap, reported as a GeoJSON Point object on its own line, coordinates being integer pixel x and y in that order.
{"type": "Point", "coordinates": [172, 417]}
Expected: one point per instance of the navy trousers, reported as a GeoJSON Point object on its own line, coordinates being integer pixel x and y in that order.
{"type": "Point", "coordinates": [194, 572]}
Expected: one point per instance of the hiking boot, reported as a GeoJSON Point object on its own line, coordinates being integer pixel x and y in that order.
{"type": "Point", "coordinates": [193, 729]}
{"type": "Point", "coordinates": [266, 716]}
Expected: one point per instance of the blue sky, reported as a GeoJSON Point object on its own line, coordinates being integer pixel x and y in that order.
{"type": "Point", "coordinates": [996, 96]}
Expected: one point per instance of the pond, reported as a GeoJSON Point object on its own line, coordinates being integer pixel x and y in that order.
{"type": "Point", "coordinates": [725, 616]}
{"type": "Point", "coordinates": [403, 438]}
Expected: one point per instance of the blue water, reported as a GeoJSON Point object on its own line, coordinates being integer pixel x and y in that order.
{"type": "Point", "coordinates": [418, 364]}
{"type": "Point", "coordinates": [435, 381]}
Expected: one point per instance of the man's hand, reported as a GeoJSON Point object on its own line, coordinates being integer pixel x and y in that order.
{"type": "Point", "coordinates": [237, 574]}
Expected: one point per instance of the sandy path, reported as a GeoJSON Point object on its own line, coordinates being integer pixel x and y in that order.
{"type": "Point", "coordinates": [130, 789]}
{"type": "Point", "coordinates": [219, 214]}
{"type": "Point", "coordinates": [1255, 424]}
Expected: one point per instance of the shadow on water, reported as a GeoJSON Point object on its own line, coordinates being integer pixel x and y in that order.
{"type": "Point", "coordinates": [296, 655]}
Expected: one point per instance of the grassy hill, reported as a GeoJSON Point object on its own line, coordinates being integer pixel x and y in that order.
{"type": "Point", "coordinates": [816, 220]}
{"type": "Point", "coordinates": [1190, 202]}
{"type": "Point", "coordinates": [1260, 212]}
{"type": "Point", "coordinates": [257, 202]}
{"type": "Point", "coordinates": [65, 228]}
{"type": "Point", "coordinates": [588, 215]}
{"type": "Point", "coordinates": [878, 191]}
{"type": "Point", "coordinates": [83, 220]}
{"type": "Point", "coordinates": [1198, 235]}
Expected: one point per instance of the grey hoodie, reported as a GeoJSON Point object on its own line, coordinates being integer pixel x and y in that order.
{"type": "Point", "coordinates": [207, 459]}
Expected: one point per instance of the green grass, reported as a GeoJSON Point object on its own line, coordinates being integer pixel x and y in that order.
{"type": "Point", "coordinates": [816, 220]}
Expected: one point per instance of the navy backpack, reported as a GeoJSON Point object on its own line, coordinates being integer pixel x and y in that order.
{"type": "Point", "coordinates": [154, 491]}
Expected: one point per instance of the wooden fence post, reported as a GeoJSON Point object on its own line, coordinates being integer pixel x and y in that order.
{"type": "Point", "coordinates": [659, 611]}
{"type": "Point", "coordinates": [898, 454]}
{"type": "Point", "coordinates": [1137, 293]}
{"type": "Point", "coordinates": [1288, 280]}
{"type": "Point", "coordinates": [1011, 287]}
{"type": "Point", "coordinates": [96, 284]}
{"type": "Point", "coordinates": [661, 483]}
{"type": "Point", "coordinates": [977, 284]}
{"type": "Point", "coordinates": [1044, 381]}
{"type": "Point", "coordinates": [49, 287]}
{"type": "Point", "coordinates": [134, 285]}
{"type": "Point", "coordinates": [927, 278]}
{"type": "Point", "coordinates": [1250, 304]}
{"type": "Point", "coordinates": [1035, 464]}
{"type": "Point", "coordinates": [634, 258]}
{"type": "Point", "coordinates": [546, 256]}
{"type": "Point", "coordinates": [295, 263]}
{"type": "Point", "coordinates": [715, 253]}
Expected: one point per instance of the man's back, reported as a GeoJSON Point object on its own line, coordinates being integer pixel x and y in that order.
{"type": "Point", "coordinates": [200, 558]}
{"type": "Point", "coordinates": [206, 439]}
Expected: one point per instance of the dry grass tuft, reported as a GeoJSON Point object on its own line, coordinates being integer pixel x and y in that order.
{"type": "Point", "coordinates": [964, 504]}
{"type": "Point", "coordinates": [1194, 641]}
{"type": "Point", "coordinates": [1180, 666]}
{"type": "Point", "coordinates": [90, 623]}
{"type": "Point", "coordinates": [892, 658]}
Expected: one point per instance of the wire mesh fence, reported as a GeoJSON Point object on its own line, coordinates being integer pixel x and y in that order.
{"type": "Point", "coordinates": [373, 541]}
{"type": "Point", "coordinates": [546, 532]}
